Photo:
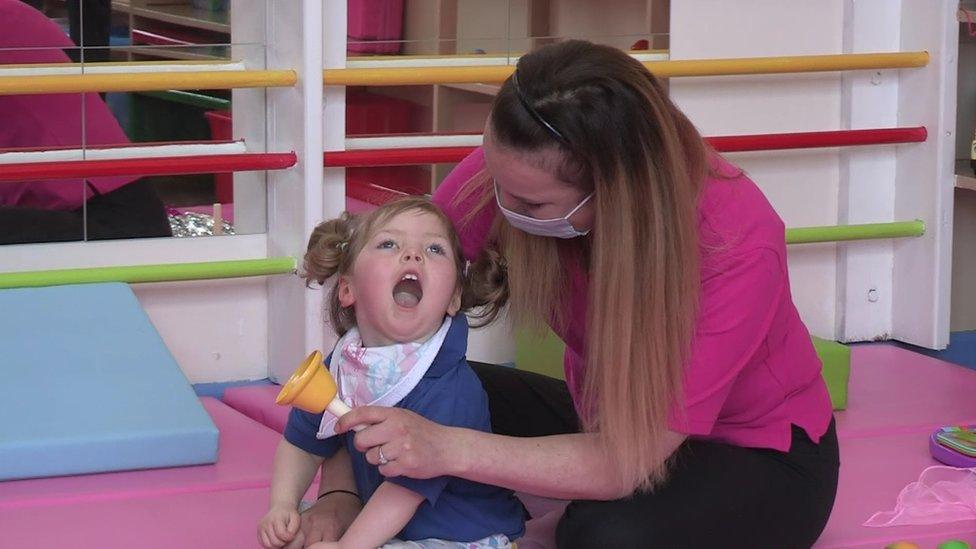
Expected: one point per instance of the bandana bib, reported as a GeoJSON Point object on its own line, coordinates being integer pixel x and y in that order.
{"type": "Point", "coordinates": [378, 376]}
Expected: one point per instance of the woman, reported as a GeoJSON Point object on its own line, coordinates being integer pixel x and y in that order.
{"type": "Point", "coordinates": [703, 419]}
{"type": "Point", "coordinates": [64, 209]}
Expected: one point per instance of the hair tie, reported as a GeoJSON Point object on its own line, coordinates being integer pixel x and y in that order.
{"type": "Point", "coordinates": [342, 245]}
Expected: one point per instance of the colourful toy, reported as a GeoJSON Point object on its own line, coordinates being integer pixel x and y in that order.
{"type": "Point", "coordinates": [312, 388]}
{"type": "Point", "coordinates": [951, 544]}
{"type": "Point", "coordinates": [961, 439]}
{"type": "Point", "coordinates": [954, 544]}
{"type": "Point", "coordinates": [954, 445]}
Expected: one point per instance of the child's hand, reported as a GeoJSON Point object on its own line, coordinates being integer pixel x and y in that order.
{"type": "Point", "coordinates": [325, 545]}
{"type": "Point", "coordinates": [278, 527]}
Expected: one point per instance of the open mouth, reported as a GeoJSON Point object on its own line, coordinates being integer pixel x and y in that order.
{"type": "Point", "coordinates": [407, 292]}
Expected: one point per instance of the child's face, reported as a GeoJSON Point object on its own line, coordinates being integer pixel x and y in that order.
{"type": "Point", "coordinates": [403, 282]}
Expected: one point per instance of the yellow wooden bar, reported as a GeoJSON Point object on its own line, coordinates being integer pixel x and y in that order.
{"type": "Point", "coordinates": [121, 82]}
{"type": "Point", "coordinates": [791, 64]}
{"type": "Point", "coordinates": [409, 76]}
{"type": "Point", "coordinates": [405, 76]}
{"type": "Point", "coordinates": [96, 64]}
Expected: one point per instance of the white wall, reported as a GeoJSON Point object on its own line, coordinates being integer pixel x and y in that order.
{"type": "Point", "coordinates": [801, 185]}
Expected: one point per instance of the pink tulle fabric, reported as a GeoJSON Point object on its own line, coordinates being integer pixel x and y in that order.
{"type": "Point", "coordinates": [941, 494]}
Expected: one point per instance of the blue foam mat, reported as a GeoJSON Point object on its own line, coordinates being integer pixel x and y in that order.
{"type": "Point", "coordinates": [961, 349]}
{"type": "Point", "coordinates": [89, 386]}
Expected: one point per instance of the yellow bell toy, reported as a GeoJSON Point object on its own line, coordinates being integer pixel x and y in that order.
{"type": "Point", "coordinates": [312, 388]}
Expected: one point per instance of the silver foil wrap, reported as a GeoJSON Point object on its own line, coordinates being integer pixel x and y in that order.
{"type": "Point", "coordinates": [195, 224]}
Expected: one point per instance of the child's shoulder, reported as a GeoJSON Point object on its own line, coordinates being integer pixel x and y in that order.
{"type": "Point", "coordinates": [455, 382]}
{"type": "Point", "coordinates": [455, 397]}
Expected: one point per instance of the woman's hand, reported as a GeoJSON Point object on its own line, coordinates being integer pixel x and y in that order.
{"type": "Point", "coordinates": [327, 520]}
{"type": "Point", "coordinates": [412, 446]}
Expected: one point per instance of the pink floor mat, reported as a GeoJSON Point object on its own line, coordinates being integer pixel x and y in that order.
{"type": "Point", "coordinates": [212, 520]}
{"type": "Point", "coordinates": [896, 398]}
{"type": "Point", "coordinates": [873, 472]}
{"type": "Point", "coordinates": [893, 390]}
{"type": "Point", "coordinates": [214, 506]}
{"type": "Point", "coordinates": [257, 403]}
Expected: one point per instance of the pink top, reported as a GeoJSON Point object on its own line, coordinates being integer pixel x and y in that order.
{"type": "Point", "coordinates": [49, 121]}
{"type": "Point", "coordinates": [753, 370]}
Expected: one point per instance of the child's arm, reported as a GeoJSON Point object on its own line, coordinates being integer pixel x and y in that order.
{"type": "Point", "coordinates": [293, 472]}
{"type": "Point", "coordinates": [385, 514]}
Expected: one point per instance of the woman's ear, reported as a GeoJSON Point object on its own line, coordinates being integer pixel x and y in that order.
{"type": "Point", "coordinates": [346, 293]}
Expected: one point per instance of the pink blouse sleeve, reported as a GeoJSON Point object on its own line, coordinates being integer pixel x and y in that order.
{"type": "Point", "coordinates": [474, 231]}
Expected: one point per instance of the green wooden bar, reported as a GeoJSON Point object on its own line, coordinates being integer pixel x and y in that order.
{"type": "Point", "coordinates": [150, 273]}
{"type": "Point", "coordinates": [868, 231]}
{"type": "Point", "coordinates": [192, 99]}
{"type": "Point", "coordinates": [280, 265]}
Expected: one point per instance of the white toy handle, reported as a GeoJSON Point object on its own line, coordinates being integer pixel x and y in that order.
{"type": "Point", "coordinates": [338, 408]}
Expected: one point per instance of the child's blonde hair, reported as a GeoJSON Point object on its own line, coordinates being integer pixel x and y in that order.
{"type": "Point", "coordinates": [335, 244]}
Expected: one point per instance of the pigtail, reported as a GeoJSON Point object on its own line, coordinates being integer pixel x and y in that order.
{"type": "Point", "coordinates": [485, 290]}
{"type": "Point", "coordinates": [328, 249]}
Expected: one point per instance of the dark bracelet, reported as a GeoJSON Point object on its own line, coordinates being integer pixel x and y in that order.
{"type": "Point", "coordinates": [350, 492]}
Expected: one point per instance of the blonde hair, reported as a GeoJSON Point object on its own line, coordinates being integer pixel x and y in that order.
{"type": "Point", "coordinates": [621, 137]}
{"type": "Point", "coordinates": [335, 244]}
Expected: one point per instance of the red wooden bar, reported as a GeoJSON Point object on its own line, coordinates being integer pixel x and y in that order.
{"type": "Point", "coordinates": [810, 140]}
{"type": "Point", "coordinates": [174, 165]}
{"type": "Point", "coordinates": [372, 193]}
{"type": "Point", "coordinates": [731, 143]}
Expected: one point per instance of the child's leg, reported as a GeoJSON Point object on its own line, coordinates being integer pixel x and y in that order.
{"type": "Point", "coordinates": [498, 541]}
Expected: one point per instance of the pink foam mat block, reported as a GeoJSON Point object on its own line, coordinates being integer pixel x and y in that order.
{"type": "Point", "coordinates": [215, 520]}
{"type": "Point", "coordinates": [258, 403]}
{"type": "Point", "coordinates": [873, 471]}
{"type": "Point", "coordinates": [893, 390]}
{"type": "Point", "coordinates": [246, 451]}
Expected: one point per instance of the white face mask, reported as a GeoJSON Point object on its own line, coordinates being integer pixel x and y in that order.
{"type": "Point", "coordinates": [557, 227]}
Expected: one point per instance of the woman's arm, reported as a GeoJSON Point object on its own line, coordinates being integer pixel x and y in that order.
{"type": "Point", "coordinates": [572, 466]}
{"type": "Point", "coordinates": [329, 517]}
{"type": "Point", "coordinates": [337, 473]}
{"type": "Point", "coordinates": [386, 513]}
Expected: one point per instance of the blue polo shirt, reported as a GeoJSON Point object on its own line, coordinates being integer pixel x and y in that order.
{"type": "Point", "coordinates": [453, 509]}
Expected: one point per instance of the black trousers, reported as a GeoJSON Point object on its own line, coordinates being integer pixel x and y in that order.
{"type": "Point", "coordinates": [131, 211]}
{"type": "Point", "coordinates": [716, 495]}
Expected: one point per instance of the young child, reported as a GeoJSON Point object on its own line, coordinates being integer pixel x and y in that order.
{"type": "Point", "coordinates": [394, 303]}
